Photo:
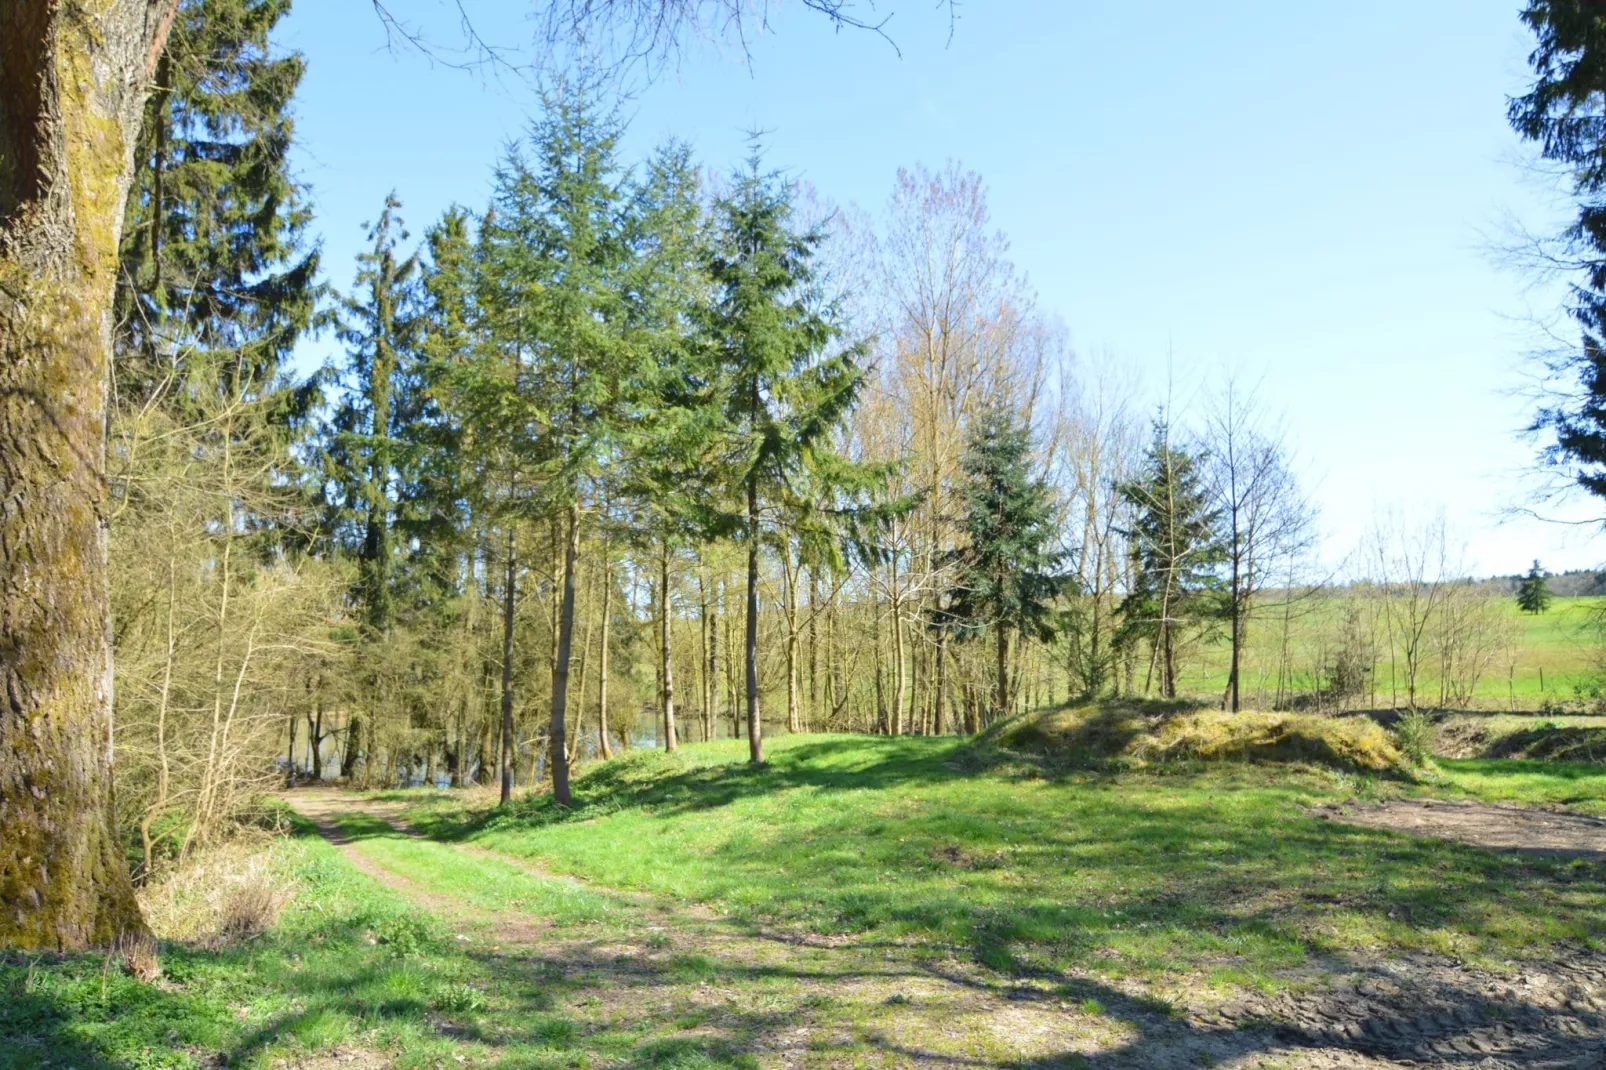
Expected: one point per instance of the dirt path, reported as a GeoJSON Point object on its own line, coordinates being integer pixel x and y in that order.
{"type": "Point", "coordinates": [794, 1001]}
{"type": "Point", "coordinates": [1506, 828]}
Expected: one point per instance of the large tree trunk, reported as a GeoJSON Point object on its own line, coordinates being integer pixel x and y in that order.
{"type": "Point", "coordinates": [557, 735]}
{"type": "Point", "coordinates": [73, 80]}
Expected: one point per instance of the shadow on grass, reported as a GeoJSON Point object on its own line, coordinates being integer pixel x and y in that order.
{"type": "Point", "coordinates": [1156, 872]}
{"type": "Point", "coordinates": [670, 783]}
{"type": "Point", "coordinates": [80, 1011]}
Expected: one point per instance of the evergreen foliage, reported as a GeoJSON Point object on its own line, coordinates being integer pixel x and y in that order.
{"type": "Point", "coordinates": [1010, 575]}
{"type": "Point", "coordinates": [215, 258]}
{"type": "Point", "coordinates": [1564, 113]}
{"type": "Point", "coordinates": [1176, 551]}
{"type": "Point", "coordinates": [1533, 593]}
{"type": "Point", "coordinates": [370, 430]}
{"type": "Point", "coordinates": [782, 388]}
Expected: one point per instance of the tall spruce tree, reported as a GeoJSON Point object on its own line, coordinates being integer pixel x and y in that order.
{"type": "Point", "coordinates": [668, 479]}
{"type": "Point", "coordinates": [552, 388]}
{"type": "Point", "coordinates": [368, 448]}
{"type": "Point", "coordinates": [784, 389]}
{"type": "Point", "coordinates": [1533, 593]}
{"type": "Point", "coordinates": [1176, 550]}
{"type": "Point", "coordinates": [1564, 113]}
{"type": "Point", "coordinates": [1010, 572]}
{"type": "Point", "coordinates": [215, 257]}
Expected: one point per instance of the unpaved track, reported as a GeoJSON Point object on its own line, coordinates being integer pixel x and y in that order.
{"type": "Point", "coordinates": [1546, 830]}
{"type": "Point", "coordinates": [911, 1009]}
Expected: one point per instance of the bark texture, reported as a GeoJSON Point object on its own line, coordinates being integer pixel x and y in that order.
{"type": "Point", "coordinates": [73, 79]}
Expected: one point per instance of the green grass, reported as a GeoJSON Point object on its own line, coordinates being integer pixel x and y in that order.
{"type": "Point", "coordinates": [351, 965]}
{"type": "Point", "coordinates": [1556, 657]}
{"type": "Point", "coordinates": [1578, 785]}
{"type": "Point", "coordinates": [1186, 868]}
{"type": "Point", "coordinates": [1186, 877]}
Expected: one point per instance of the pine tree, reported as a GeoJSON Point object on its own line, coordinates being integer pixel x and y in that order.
{"type": "Point", "coordinates": [1533, 594]}
{"type": "Point", "coordinates": [367, 449]}
{"type": "Point", "coordinates": [784, 392]}
{"type": "Point", "coordinates": [668, 482]}
{"type": "Point", "coordinates": [1009, 576]}
{"type": "Point", "coordinates": [548, 388]}
{"type": "Point", "coordinates": [1176, 550]}
{"type": "Point", "coordinates": [214, 255]}
{"type": "Point", "coordinates": [1563, 114]}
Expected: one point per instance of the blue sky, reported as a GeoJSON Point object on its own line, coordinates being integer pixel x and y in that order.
{"type": "Point", "coordinates": [1303, 193]}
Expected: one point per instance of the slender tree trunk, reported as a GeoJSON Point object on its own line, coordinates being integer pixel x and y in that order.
{"type": "Point", "coordinates": [897, 653]}
{"type": "Point", "coordinates": [755, 729]}
{"type": "Point", "coordinates": [290, 777]}
{"type": "Point", "coordinates": [882, 724]}
{"type": "Point", "coordinates": [1001, 635]}
{"type": "Point", "coordinates": [1236, 626]}
{"type": "Point", "coordinates": [732, 699]}
{"type": "Point", "coordinates": [509, 590]}
{"type": "Point", "coordinates": [578, 735]}
{"type": "Point", "coordinates": [814, 650]}
{"type": "Point", "coordinates": [790, 595]}
{"type": "Point", "coordinates": [939, 716]}
{"type": "Point", "coordinates": [666, 650]}
{"type": "Point", "coordinates": [604, 744]}
{"type": "Point", "coordinates": [557, 735]}
{"type": "Point", "coordinates": [317, 734]}
{"type": "Point", "coordinates": [712, 630]}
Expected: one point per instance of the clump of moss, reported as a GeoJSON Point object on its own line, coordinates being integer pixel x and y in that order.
{"type": "Point", "coordinates": [1125, 733]}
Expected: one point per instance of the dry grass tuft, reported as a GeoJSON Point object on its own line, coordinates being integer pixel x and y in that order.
{"type": "Point", "coordinates": [139, 956]}
{"type": "Point", "coordinates": [230, 893]}
{"type": "Point", "coordinates": [1139, 733]}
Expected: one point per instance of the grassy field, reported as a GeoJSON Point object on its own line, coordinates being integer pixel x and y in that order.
{"type": "Point", "coordinates": [1556, 657]}
{"type": "Point", "coordinates": [690, 909]}
{"type": "Point", "coordinates": [1213, 871]}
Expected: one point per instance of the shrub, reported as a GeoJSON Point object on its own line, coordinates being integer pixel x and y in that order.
{"type": "Point", "coordinates": [1415, 733]}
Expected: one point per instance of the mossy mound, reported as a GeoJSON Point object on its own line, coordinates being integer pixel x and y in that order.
{"type": "Point", "coordinates": [1470, 736]}
{"type": "Point", "coordinates": [1127, 733]}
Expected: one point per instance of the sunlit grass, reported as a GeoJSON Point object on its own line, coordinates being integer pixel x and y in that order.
{"type": "Point", "coordinates": [1174, 869]}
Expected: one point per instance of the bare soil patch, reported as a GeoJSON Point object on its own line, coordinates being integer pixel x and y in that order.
{"type": "Point", "coordinates": [1548, 830]}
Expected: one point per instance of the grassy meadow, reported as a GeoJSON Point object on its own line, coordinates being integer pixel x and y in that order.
{"type": "Point", "coordinates": [690, 906]}
{"type": "Point", "coordinates": [1554, 661]}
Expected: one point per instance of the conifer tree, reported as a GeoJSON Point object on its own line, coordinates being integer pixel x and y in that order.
{"type": "Point", "coordinates": [784, 392]}
{"type": "Point", "coordinates": [669, 479]}
{"type": "Point", "coordinates": [1010, 573]}
{"type": "Point", "coordinates": [367, 451]}
{"type": "Point", "coordinates": [1533, 593]}
{"type": "Point", "coordinates": [550, 391]}
{"type": "Point", "coordinates": [1562, 113]}
{"type": "Point", "coordinates": [1176, 550]}
{"type": "Point", "coordinates": [214, 252]}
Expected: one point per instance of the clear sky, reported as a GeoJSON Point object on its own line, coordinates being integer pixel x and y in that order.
{"type": "Point", "coordinates": [1302, 192]}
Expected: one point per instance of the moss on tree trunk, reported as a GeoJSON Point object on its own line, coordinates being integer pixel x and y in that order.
{"type": "Point", "coordinates": [72, 83]}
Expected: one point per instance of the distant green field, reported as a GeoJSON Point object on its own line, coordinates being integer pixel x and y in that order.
{"type": "Point", "coordinates": [1557, 659]}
